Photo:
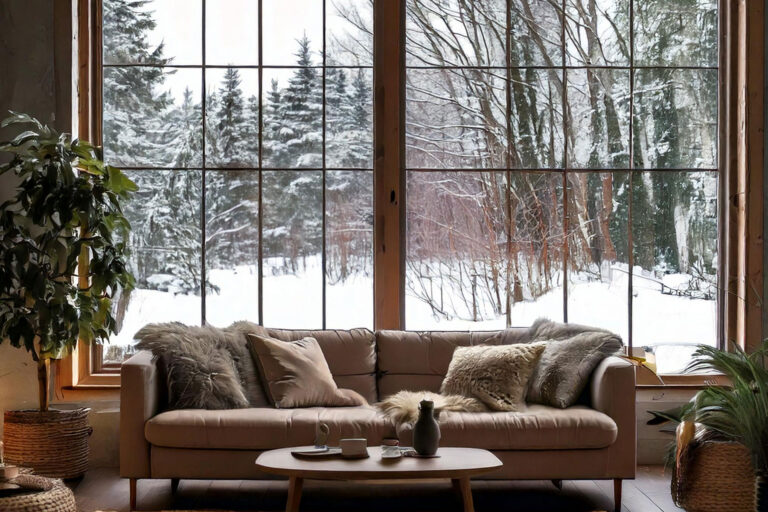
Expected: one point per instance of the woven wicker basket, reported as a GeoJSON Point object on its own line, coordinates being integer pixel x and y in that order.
{"type": "Point", "coordinates": [52, 496]}
{"type": "Point", "coordinates": [53, 443]}
{"type": "Point", "coordinates": [718, 477]}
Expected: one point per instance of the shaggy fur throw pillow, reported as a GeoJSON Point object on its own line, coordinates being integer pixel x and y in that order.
{"type": "Point", "coordinates": [495, 375]}
{"type": "Point", "coordinates": [403, 406]}
{"type": "Point", "coordinates": [296, 374]}
{"type": "Point", "coordinates": [571, 355]}
{"type": "Point", "coordinates": [201, 371]}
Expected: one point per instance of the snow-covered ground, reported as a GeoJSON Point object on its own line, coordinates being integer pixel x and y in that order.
{"type": "Point", "coordinates": [671, 324]}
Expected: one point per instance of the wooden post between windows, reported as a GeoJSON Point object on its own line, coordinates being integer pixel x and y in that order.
{"type": "Point", "coordinates": [744, 149]}
{"type": "Point", "coordinates": [388, 174]}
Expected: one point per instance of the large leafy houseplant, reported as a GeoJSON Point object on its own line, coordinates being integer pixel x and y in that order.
{"type": "Point", "coordinates": [62, 244]}
{"type": "Point", "coordinates": [737, 412]}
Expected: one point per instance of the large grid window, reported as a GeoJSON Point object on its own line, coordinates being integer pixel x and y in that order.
{"type": "Point", "coordinates": [247, 125]}
{"type": "Point", "coordinates": [562, 161]}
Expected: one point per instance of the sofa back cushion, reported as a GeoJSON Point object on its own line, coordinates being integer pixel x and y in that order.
{"type": "Point", "coordinates": [350, 354]}
{"type": "Point", "coordinates": [418, 361]}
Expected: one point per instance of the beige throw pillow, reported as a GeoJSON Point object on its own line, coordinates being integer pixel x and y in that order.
{"type": "Point", "coordinates": [496, 375]}
{"type": "Point", "coordinates": [296, 374]}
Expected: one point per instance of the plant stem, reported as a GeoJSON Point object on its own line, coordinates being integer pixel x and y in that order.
{"type": "Point", "coordinates": [43, 378]}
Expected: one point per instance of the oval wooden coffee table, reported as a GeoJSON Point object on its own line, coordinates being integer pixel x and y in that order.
{"type": "Point", "coordinates": [458, 464]}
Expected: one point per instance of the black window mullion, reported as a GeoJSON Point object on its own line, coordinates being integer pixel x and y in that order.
{"type": "Point", "coordinates": [630, 242]}
{"type": "Point", "coordinates": [260, 288]}
{"type": "Point", "coordinates": [203, 273]}
{"type": "Point", "coordinates": [564, 108]}
{"type": "Point", "coordinates": [508, 161]}
{"type": "Point", "coordinates": [323, 213]}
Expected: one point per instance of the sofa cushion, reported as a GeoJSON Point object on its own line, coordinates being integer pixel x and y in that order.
{"type": "Point", "coordinates": [539, 427]}
{"type": "Point", "coordinates": [350, 354]}
{"type": "Point", "coordinates": [417, 361]}
{"type": "Point", "coordinates": [495, 375]}
{"type": "Point", "coordinates": [264, 428]}
{"type": "Point", "coordinates": [295, 374]}
{"type": "Point", "coordinates": [205, 367]}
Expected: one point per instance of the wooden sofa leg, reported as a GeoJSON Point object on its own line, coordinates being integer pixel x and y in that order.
{"type": "Point", "coordinates": [132, 484]}
{"type": "Point", "coordinates": [174, 485]}
{"type": "Point", "coordinates": [617, 494]}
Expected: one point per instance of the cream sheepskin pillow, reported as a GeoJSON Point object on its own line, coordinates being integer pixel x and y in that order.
{"type": "Point", "coordinates": [496, 375]}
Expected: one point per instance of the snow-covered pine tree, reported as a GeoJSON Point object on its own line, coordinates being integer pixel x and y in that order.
{"type": "Point", "coordinates": [143, 128]}
{"type": "Point", "coordinates": [274, 153]}
{"type": "Point", "coordinates": [134, 100]}
{"type": "Point", "coordinates": [359, 126]}
{"type": "Point", "coordinates": [293, 134]}
{"type": "Point", "coordinates": [229, 121]}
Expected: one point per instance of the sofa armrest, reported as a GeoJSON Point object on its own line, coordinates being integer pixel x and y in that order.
{"type": "Point", "coordinates": [140, 399]}
{"type": "Point", "coordinates": [613, 392]}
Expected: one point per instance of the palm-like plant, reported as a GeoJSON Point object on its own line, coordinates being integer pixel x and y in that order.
{"type": "Point", "coordinates": [738, 412]}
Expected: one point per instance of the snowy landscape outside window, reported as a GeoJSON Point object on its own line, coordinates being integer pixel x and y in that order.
{"type": "Point", "coordinates": [562, 161]}
{"type": "Point", "coordinates": [247, 126]}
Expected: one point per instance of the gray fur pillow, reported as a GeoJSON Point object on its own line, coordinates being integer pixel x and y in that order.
{"type": "Point", "coordinates": [567, 363]}
{"type": "Point", "coordinates": [206, 367]}
{"type": "Point", "coordinates": [497, 375]}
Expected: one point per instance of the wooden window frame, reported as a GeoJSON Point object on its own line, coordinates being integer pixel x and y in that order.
{"type": "Point", "coordinates": [740, 153]}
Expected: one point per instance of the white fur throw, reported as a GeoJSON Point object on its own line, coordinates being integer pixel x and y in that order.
{"type": "Point", "coordinates": [403, 407]}
{"type": "Point", "coordinates": [495, 375]}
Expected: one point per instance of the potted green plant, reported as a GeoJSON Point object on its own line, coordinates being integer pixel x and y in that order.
{"type": "Point", "coordinates": [63, 257]}
{"type": "Point", "coordinates": [735, 414]}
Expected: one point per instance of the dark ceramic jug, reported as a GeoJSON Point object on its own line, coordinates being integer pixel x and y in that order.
{"type": "Point", "coordinates": [426, 431]}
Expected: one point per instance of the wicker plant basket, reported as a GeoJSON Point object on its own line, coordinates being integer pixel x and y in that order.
{"type": "Point", "coordinates": [53, 443]}
{"type": "Point", "coordinates": [716, 477]}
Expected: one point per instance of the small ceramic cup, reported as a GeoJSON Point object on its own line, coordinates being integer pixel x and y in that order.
{"type": "Point", "coordinates": [353, 447]}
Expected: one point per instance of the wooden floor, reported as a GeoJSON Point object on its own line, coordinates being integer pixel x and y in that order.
{"type": "Point", "coordinates": [103, 489]}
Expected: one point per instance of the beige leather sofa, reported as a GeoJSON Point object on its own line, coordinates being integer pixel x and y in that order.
{"type": "Point", "coordinates": [595, 440]}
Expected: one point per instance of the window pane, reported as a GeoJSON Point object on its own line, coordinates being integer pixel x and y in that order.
{"type": "Point", "coordinates": [349, 249]}
{"type": "Point", "coordinates": [675, 249]}
{"type": "Point", "coordinates": [598, 272]}
{"type": "Point", "coordinates": [232, 105]}
{"type": "Point", "coordinates": [675, 118]}
{"type": "Point", "coordinates": [536, 119]}
{"type": "Point", "coordinates": [157, 32]}
{"type": "Point", "coordinates": [597, 33]}
{"type": "Point", "coordinates": [232, 32]}
{"type": "Point", "coordinates": [455, 119]}
{"type": "Point", "coordinates": [676, 33]}
{"type": "Point", "coordinates": [535, 29]}
{"type": "Point", "coordinates": [598, 103]}
{"type": "Point", "coordinates": [292, 245]}
{"type": "Point", "coordinates": [165, 254]}
{"type": "Point", "coordinates": [349, 33]}
{"type": "Point", "coordinates": [455, 33]}
{"type": "Point", "coordinates": [288, 24]}
{"type": "Point", "coordinates": [536, 243]}
{"type": "Point", "coordinates": [456, 262]}
{"type": "Point", "coordinates": [293, 118]}
{"type": "Point", "coordinates": [152, 117]}
{"type": "Point", "coordinates": [349, 118]}
{"type": "Point", "coordinates": [232, 246]}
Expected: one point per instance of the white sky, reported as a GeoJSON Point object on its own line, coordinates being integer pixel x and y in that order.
{"type": "Point", "coordinates": [232, 37]}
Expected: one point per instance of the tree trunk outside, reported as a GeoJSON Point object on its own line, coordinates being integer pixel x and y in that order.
{"type": "Point", "coordinates": [43, 380]}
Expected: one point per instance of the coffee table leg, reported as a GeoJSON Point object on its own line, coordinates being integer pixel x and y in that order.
{"type": "Point", "coordinates": [464, 488]}
{"type": "Point", "coordinates": [294, 494]}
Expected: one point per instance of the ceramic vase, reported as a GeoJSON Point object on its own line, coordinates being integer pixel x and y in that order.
{"type": "Point", "coordinates": [426, 431]}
